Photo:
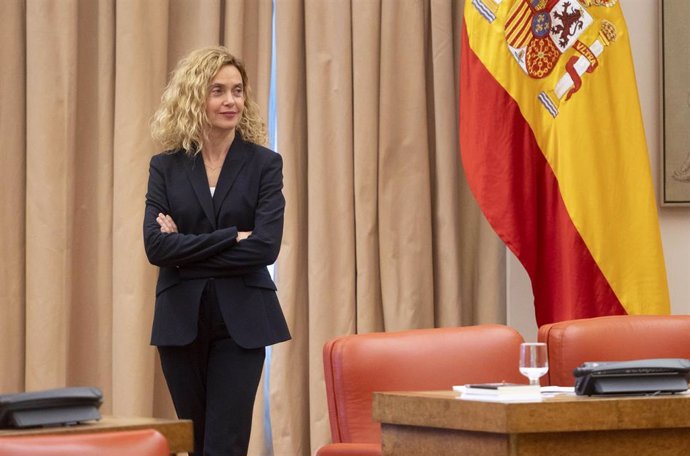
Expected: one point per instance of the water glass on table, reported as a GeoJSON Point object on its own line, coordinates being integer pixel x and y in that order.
{"type": "Point", "coordinates": [534, 361]}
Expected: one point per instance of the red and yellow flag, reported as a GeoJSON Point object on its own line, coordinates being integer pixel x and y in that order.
{"type": "Point", "coordinates": [554, 150]}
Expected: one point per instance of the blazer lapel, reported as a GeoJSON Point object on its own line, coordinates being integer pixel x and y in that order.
{"type": "Point", "coordinates": [197, 176]}
{"type": "Point", "coordinates": [237, 156]}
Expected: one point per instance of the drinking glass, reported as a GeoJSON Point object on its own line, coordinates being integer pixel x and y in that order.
{"type": "Point", "coordinates": [534, 361]}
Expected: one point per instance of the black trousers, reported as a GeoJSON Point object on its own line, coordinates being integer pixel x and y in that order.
{"type": "Point", "coordinates": [213, 382]}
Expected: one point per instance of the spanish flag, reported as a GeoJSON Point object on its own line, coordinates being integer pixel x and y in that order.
{"type": "Point", "coordinates": [554, 151]}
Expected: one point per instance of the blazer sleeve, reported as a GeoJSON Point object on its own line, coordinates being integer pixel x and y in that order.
{"type": "Point", "coordinates": [262, 247]}
{"type": "Point", "coordinates": [176, 249]}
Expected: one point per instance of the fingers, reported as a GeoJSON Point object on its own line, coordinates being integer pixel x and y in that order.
{"type": "Point", "coordinates": [243, 235]}
{"type": "Point", "coordinates": [172, 223]}
{"type": "Point", "coordinates": [163, 223]}
{"type": "Point", "coordinates": [166, 223]}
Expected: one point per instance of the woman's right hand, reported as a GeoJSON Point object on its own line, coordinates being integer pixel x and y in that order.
{"type": "Point", "coordinates": [243, 235]}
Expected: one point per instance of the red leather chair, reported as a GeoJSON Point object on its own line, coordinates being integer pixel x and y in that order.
{"type": "Point", "coordinates": [358, 365]}
{"type": "Point", "coordinates": [615, 338]}
{"type": "Point", "coordinates": [146, 442]}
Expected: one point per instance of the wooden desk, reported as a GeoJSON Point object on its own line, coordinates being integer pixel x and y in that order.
{"type": "Point", "coordinates": [179, 433]}
{"type": "Point", "coordinates": [438, 424]}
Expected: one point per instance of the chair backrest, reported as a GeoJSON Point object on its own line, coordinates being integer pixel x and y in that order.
{"type": "Point", "coordinates": [358, 365]}
{"type": "Point", "coordinates": [615, 338]}
{"type": "Point", "coordinates": [146, 442]}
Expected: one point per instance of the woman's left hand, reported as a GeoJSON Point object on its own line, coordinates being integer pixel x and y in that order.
{"type": "Point", "coordinates": [166, 223]}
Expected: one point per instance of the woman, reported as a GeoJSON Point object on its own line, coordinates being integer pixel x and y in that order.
{"type": "Point", "coordinates": [213, 222]}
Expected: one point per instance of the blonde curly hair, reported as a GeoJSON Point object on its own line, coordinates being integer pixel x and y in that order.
{"type": "Point", "coordinates": [181, 121]}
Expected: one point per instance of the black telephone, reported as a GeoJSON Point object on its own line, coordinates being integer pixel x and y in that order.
{"type": "Point", "coordinates": [54, 407]}
{"type": "Point", "coordinates": [643, 376]}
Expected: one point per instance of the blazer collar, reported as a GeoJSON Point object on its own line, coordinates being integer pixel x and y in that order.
{"type": "Point", "coordinates": [197, 176]}
{"type": "Point", "coordinates": [233, 164]}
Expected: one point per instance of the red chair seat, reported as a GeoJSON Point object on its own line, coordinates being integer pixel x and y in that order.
{"type": "Point", "coordinates": [350, 449]}
{"type": "Point", "coordinates": [147, 442]}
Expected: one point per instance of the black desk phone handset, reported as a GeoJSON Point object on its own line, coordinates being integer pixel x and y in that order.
{"type": "Point", "coordinates": [643, 376]}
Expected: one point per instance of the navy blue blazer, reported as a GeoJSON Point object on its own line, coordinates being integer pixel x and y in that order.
{"type": "Point", "coordinates": [248, 197]}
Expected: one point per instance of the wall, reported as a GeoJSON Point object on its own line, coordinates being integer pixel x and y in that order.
{"type": "Point", "coordinates": [642, 17]}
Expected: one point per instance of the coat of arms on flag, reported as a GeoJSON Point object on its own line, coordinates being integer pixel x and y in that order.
{"type": "Point", "coordinates": [539, 32]}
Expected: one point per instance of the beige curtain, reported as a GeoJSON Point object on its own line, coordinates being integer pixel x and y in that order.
{"type": "Point", "coordinates": [381, 230]}
{"type": "Point", "coordinates": [79, 83]}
